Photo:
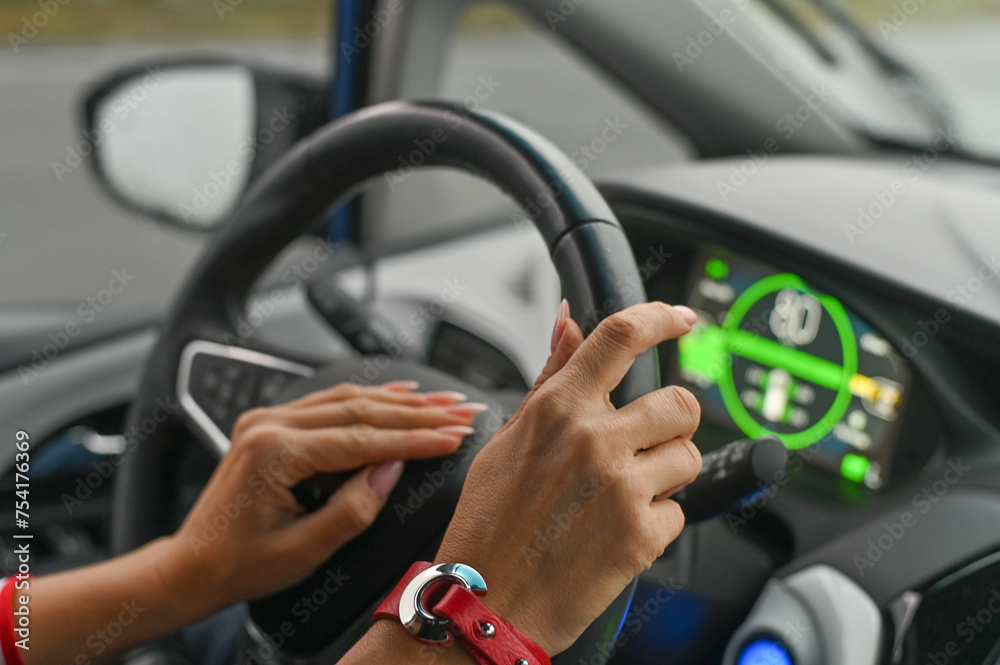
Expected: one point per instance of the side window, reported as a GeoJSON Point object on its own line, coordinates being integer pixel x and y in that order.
{"type": "Point", "coordinates": [499, 59]}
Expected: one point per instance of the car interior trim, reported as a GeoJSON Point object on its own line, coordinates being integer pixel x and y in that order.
{"type": "Point", "coordinates": [219, 441]}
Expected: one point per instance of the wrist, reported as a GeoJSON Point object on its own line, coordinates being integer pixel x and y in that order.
{"type": "Point", "coordinates": [443, 604]}
{"type": "Point", "coordinates": [180, 583]}
{"type": "Point", "coordinates": [515, 605]}
{"type": "Point", "coordinates": [392, 643]}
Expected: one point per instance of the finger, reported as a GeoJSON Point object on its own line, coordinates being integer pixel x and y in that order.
{"type": "Point", "coordinates": [604, 357]}
{"type": "Point", "coordinates": [666, 468]}
{"type": "Point", "coordinates": [340, 448]}
{"type": "Point", "coordinates": [569, 341]}
{"type": "Point", "coordinates": [348, 512]}
{"type": "Point", "coordinates": [383, 414]}
{"type": "Point", "coordinates": [345, 391]}
{"type": "Point", "coordinates": [664, 414]}
{"type": "Point", "coordinates": [668, 521]}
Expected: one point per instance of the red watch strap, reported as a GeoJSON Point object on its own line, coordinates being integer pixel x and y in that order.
{"type": "Point", "coordinates": [8, 639]}
{"type": "Point", "coordinates": [389, 609]}
{"type": "Point", "coordinates": [468, 615]}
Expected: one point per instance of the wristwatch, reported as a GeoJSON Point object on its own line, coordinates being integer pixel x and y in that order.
{"type": "Point", "coordinates": [439, 604]}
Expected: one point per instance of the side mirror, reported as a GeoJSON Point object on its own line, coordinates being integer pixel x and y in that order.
{"type": "Point", "coordinates": [181, 141]}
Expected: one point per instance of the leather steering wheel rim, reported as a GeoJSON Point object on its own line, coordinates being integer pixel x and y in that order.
{"type": "Point", "coordinates": [586, 242]}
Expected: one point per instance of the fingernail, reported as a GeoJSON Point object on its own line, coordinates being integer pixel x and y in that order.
{"type": "Point", "coordinates": [445, 397]}
{"type": "Point", "coordinates": [453, 430]}
{"type": "Point", "coordinates": [689, 314]}
{"type": "Point", "coordinates": [384, 477]}
{"type": "Point", "coordinates": [467, 409]}
{"type": "Point", "coordinates": [401, 386]}
{"type": "Point", "coordinates": [560, 326]}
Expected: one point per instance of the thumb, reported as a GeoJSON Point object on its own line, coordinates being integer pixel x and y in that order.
{"type": "Point", "coordinates": [349, 511]}
{"type": "Point", "coordinates": [566, 339]}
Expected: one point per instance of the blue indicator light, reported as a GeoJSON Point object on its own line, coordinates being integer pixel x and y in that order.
{"type": "Point", "coordinates": [765, 651]}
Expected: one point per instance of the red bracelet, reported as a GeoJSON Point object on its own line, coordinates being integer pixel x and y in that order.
{"type": "Point", "coordinates": [8, 639]}
{"type": "Point", "coordinates": [457, 614]}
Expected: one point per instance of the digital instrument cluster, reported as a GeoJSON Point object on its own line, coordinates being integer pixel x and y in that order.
{"type": "Point", "coordinates": [771, 355]}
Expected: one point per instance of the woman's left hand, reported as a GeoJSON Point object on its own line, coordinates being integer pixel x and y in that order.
{"type": "Point", "coordinates": [247, 536]}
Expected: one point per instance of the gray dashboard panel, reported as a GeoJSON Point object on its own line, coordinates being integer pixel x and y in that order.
{"type": "Point", "coordinates": [940, 235]}
{"type": "Point", "coordinates": [72, 386]}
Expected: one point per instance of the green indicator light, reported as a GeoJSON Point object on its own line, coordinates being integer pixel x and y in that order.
{"type": "Point", "coordinates": [774, 354]}
{"type": "Point", "coordinates": [854, 467]}
{"type": "Point", "coordinates": [798, 363]}
{"type": "Point", "coordinates": [717, 269]}
{"type": "Point", "coordinates": [705, 351]}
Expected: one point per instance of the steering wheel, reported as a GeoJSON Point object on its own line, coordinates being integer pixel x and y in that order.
{"type": "Point", "coordinates": [588, 247]}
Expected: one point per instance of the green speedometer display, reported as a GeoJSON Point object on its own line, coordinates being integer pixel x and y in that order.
{"type": "Point", "coordinates": [771, 355]}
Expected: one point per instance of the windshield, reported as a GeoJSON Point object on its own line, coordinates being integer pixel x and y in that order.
{"type": "Point", "coordinates": [902, 71]}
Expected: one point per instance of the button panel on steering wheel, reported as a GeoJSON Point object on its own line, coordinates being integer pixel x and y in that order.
{"type": "Point", "coordinates": [216, 383]}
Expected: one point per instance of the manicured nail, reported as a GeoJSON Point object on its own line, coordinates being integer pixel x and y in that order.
{"type": "Point", "coordinates": [453, 430]}
{"type": "Point", "coordinates": [384, 477]}
{"type": "Point", "coordinates": [689, 314]}
{"type": "Point", "coordinates": [467, 409]}
{"type": "Point", "coordinates": [401, 386]}
{"type": "Point", "coordinates": [445, 397]}
{"type": "Point", "coordinates": [560, 326]}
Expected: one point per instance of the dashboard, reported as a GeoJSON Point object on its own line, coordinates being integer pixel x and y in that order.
{"type": "Point", "coordinates": [771, 355]}
{"type": "Point", "coordinates": [851, 353]}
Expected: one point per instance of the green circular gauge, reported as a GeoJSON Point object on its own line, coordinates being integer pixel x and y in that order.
{"type": "Point", "coordinates": [792, 355]}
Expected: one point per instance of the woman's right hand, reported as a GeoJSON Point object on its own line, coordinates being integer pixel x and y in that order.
{"type": "Point", "coordinates": [568, 502]}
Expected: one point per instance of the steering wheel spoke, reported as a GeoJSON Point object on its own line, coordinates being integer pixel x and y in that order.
{"type": "Point", "coordinates": [217, 382]}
